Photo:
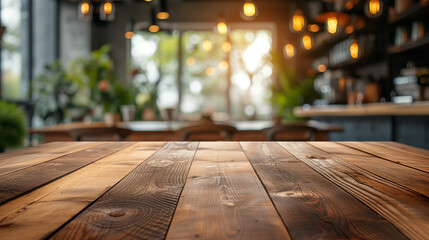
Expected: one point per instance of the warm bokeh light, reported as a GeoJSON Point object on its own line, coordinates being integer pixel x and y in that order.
{"type": "Point", "coordinates": [207, 45]}
{"type": "Point", "coordinates": [153, 28]}
{"type": "Point", "coordinates": [148, 0]}
{"type": "Point", "coordinates": [224, 65]}
{"type": "Point", "coordinates": [210, 71]}
{"type": "Point", "coordinates": [190, 61]}
{"type": "Point", "coordinates": [226, 46]}
{"type": "Point", "coordinates": [298, 21]}
{"type": "Point", "coordinates": [350, 29]}
{"type": "Point", "coordinates": [373, 6]}
{"type": "Point", "coordinates": [162, 15]}
{"type": "Point", "coordinates": [289, 50]}
{"type": "Point", "coordinates": [313, 28]}
{"type": "Point", "coordinates": [307, 42]}
{"type": "Point", "coordinates": [354, 49]}
{"type": "Point", "coordinates": [332, 25]}
{"type": "Point", "coordinates": [107, 8]}
{"type": "Point", "coordinates": [321, 68]}
{"type": "Point", "coordinates": [249, 9]}
{"type": "Point", "coordinates": [84, 8]}
{"type": "Point", "coordinates": [222, 28]}
{"type": "Point", "coordinates": [129, 35]}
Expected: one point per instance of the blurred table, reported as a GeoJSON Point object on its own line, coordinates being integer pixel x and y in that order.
{"type": "Point", "coordinates": [166, 131]}
{"type": "Point", "coordinates": [215, 190]}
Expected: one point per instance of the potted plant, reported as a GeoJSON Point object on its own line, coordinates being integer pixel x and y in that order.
{"type": "Point", "coordinates": [12, 125]}
{"type": "Point", "coordinates": [289, 93]}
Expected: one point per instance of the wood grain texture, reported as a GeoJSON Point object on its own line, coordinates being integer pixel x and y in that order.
{"type": "Point", "coordinates": [405, 176]}
{"type": "Point", "coordinates": [142, 204]}
{"type": "Point", "coordinates": [39, 155]}
{"type": "Point", "coordinates": [311, 206]}
{"type": "Point", "coordinates": [404, 148]}
{"type": "Point", "coordinates": [224, 199]}
{"type": "Point", "coordinates": [20, 182]}
{"type": "Point", "coordinates": [38, 214]}
{"type": "Point", "coordinates": [407, 210]}
{"type": "Point", "coordinates": [393, 155]}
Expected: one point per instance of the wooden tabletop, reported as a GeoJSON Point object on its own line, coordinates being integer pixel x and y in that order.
{"type": "Point", "coordinates": [215, 190]}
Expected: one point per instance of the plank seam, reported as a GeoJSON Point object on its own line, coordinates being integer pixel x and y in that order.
{"type": "Point", "coordinates": [181, 191]}
{"type": "Point", "coordinates": [386, 159]}
{"type": "Point", "coordinates": [93, 202]}
{"type": "Point", "coordinates": [265, 188]}
{"type": "Point", "coordinates": [54, 179]}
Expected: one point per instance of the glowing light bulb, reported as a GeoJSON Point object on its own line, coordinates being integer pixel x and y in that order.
{"type": "Point", "coordinates": [84, 8]}
{"type": "Point", "coordinates": [354, 50]}
{"type": "Point", "coordinates": [226, 46]}
{"type": "Point", "coordinates": [107, 8]}
{"type": "Point", "coordinates": [153, 28]}
{"type": "Point", "coordinates": [307, 42]}
{"type": "Point", "coordinates": [249, 9]}
{"type": "Point", "coordinates": [222, 28]}
{"type": "Point", "coordinates": [129, 35]}
{"type": "Point", "coordinates": [321, 68]}
{"type": "Point", "coordinates": [332, 25]}
{"type": "Point", "coordinates": [289, 50]}
{"type": "Point", "coordinates": [298, 21]}
{"type": "Point", "coordinates": [162, 15]}
{"type": "Point", "coordinates": [224, 65]}
{"type": "Point", "coordinates": [190, 61]}
{"type": "Point", "coordinates": [373, 8]}
{"type": "Point", "coordinates": [313, 28]}
{"type": "Point", "coordinates": [207, 45]}
{"type": "Point", "coordinates": [210, 71]}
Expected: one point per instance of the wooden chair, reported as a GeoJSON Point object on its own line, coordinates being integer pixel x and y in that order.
{"type": "Point", "coordinates": [100, 134]}
{"type": "Point", "coordinates": [290, 133]}
{"type": "Point", "coordinates": [207, 132]}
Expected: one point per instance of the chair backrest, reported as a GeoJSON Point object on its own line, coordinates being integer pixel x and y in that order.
{"type": "Point", "coordinates": [207, 132]}
{"type": "Point", "coordinates": [290, 133]}
{"type": "Point", "coordinates": [100, 134]}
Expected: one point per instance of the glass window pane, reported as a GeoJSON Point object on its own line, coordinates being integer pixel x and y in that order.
{"type": "Point", "coordinates": [251, 74]}
{"type": "Point", "coordinates": [11, 57]}
{"type": "Point", "coordinates": [154, 58]}
{"type": "Point", "coordinates": [205, 74]}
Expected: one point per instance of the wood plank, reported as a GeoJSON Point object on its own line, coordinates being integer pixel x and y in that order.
{"type": "Point", "coordinates": [142, 204]}
{"type": "Point", "coordinates": [38, 214]}
{"type": "Point", "coordinates": [224, 199]}
{"type": "Point", "coordinates": [311, 206]}
{"type": "Point", "coordinates": [21, 161]}
{"type": "Point", "coordinates": [405, 148]}
{"type": "Point", "coordinates": [405, 176]}
{"type": "Point", "coordinates": [389, 154]}
{"type": "Point", "coordinates": [407, 210]}
{"type": "Point", "coordinates": [20, 182]}
{"type": "Point", "coordinates": [30, 150]}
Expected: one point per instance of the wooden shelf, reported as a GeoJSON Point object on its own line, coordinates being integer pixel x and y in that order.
{"type": "Point", "coordinates": [373, 109]}
{"type": "Point", "coordinates": [414, 12]}
{"type": "Point", "coordinates": [409, 46]}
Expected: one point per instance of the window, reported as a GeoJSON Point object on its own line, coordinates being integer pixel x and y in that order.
{"type": "Point", "coordinates": [11, 54]}
{"type": "Point", "coordinates": [228, 77]}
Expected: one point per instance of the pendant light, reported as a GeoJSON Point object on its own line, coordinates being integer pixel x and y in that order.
{"type": "Point", "coordinates": [307, 41]}
{"type": "Point", "coordinates": [221, 26]}
{"type": "Point", "coordinates": [129, 29]}
{"type": "Point", "coordinates": [249, 10]}
{"type": "Point", "coordinates": [373, 8]}
{"type": "Point", "coordinates": [297, 23]}
{"type": "Point", "coordinates": [163, 12]}
{"type": "Point", "coordinates": [354, 49]}
{"type": "Point", "coordinates": [153, 27]}
{"type": "Point", "coordinates": [334, 18]}
{"type": "Point", "coordinates": [289, 50]}
{"type": "Point", "coordinates": [107, 11]}
{"type": "Point", "coordinates": [85, 10]}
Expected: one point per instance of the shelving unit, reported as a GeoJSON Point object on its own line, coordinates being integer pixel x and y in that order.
{"type": "Point", "coordinates": [414, 45]}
